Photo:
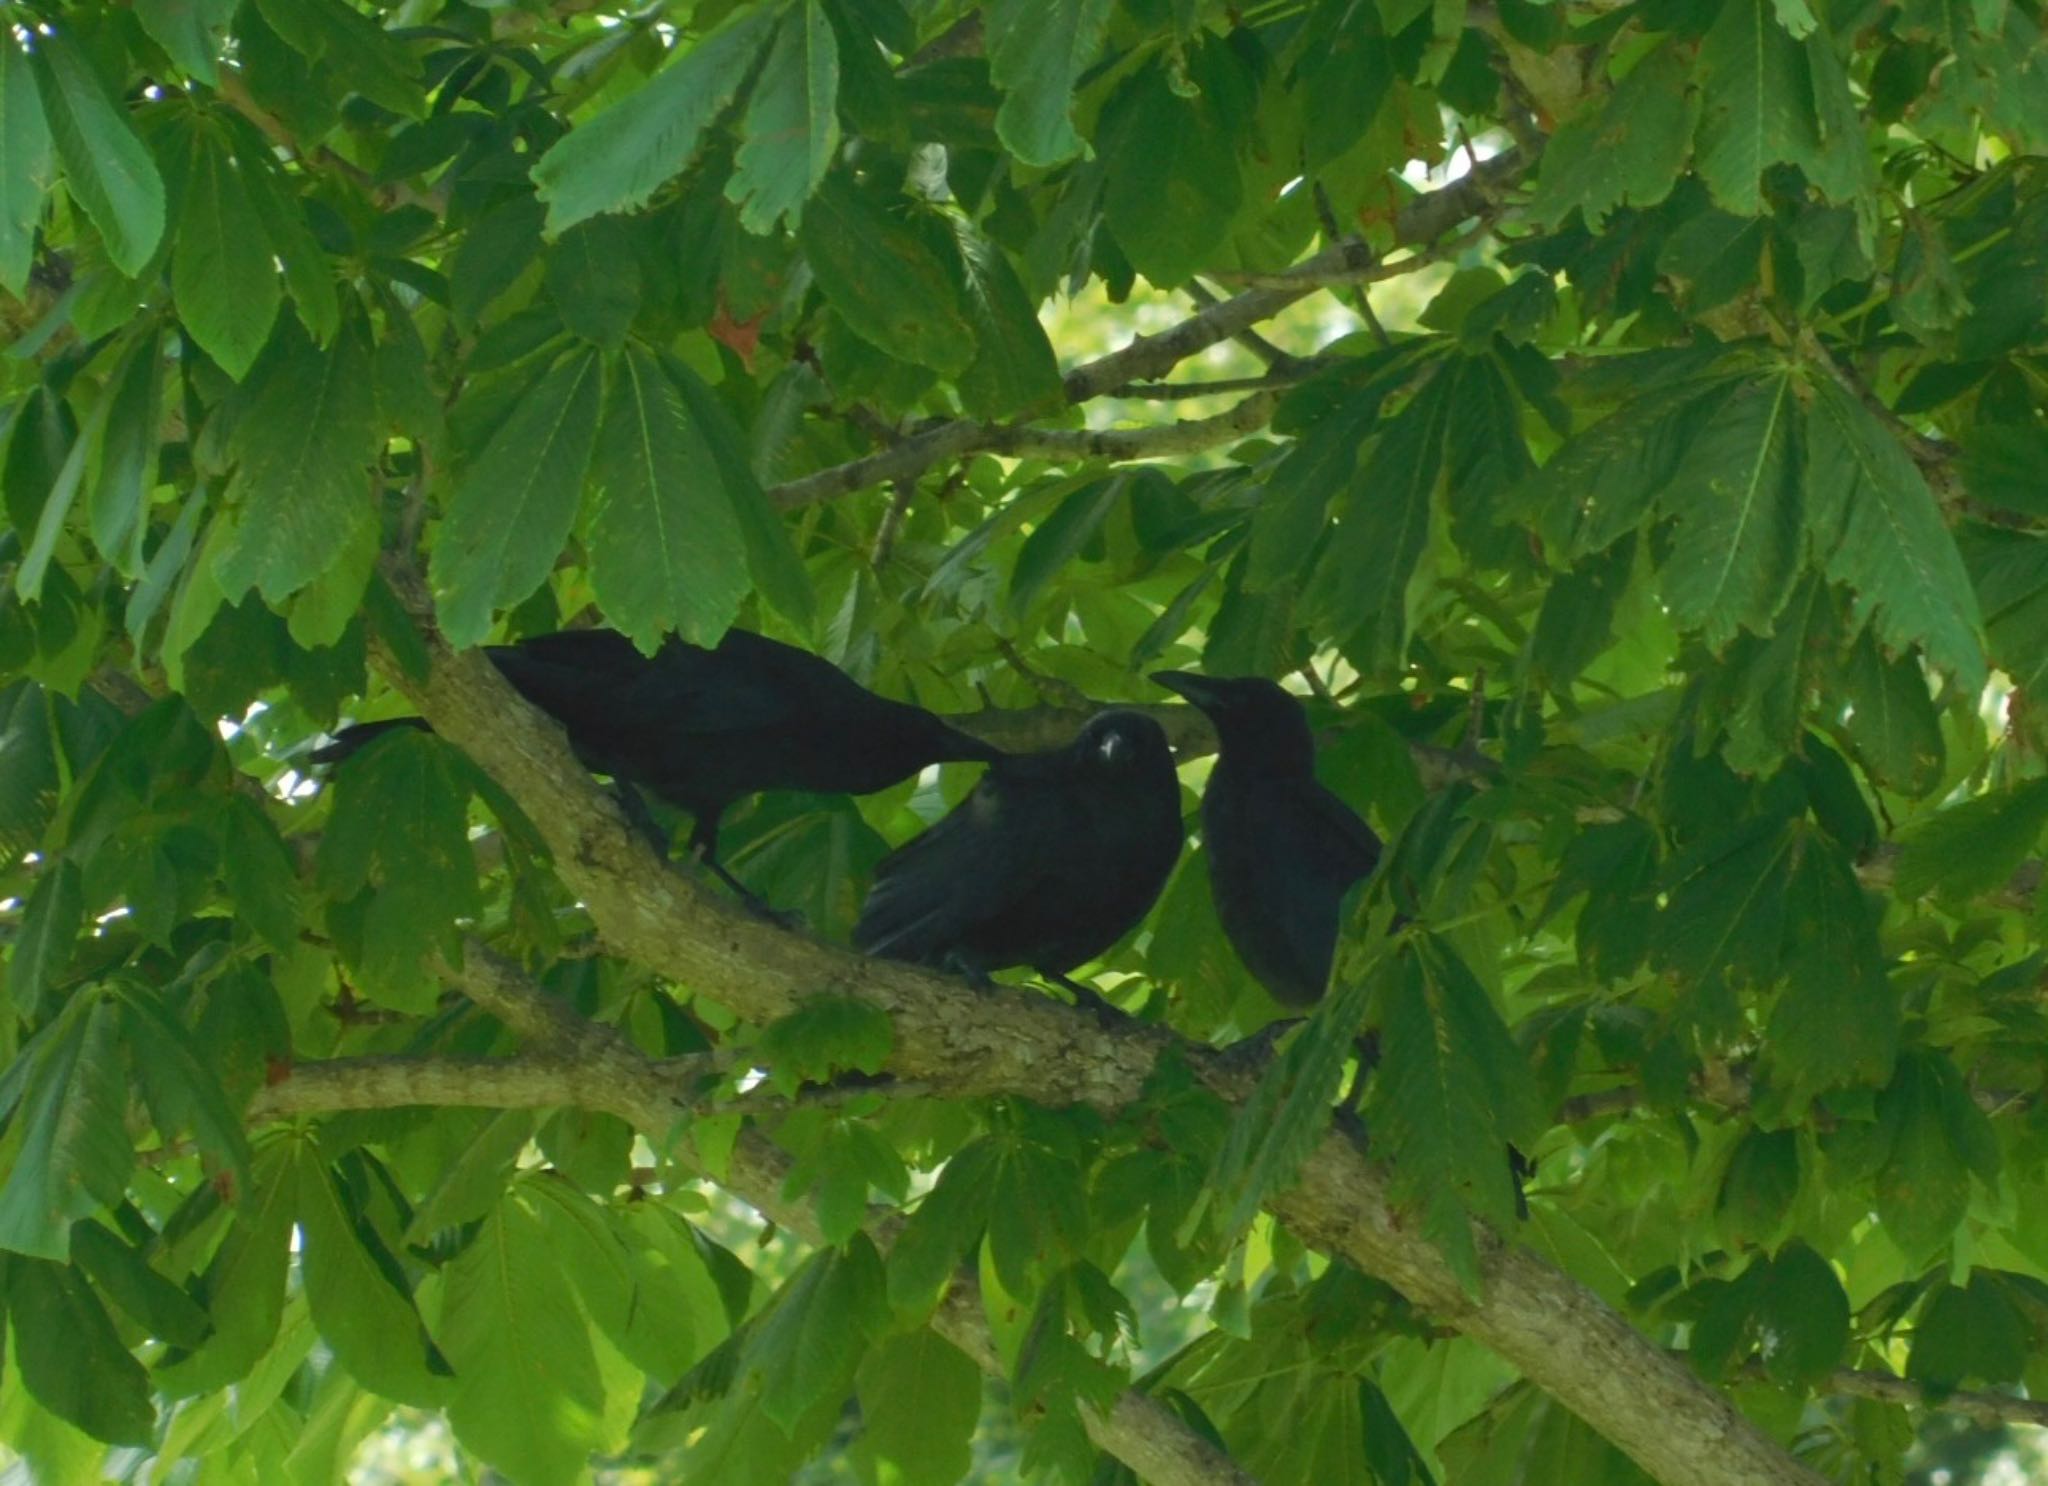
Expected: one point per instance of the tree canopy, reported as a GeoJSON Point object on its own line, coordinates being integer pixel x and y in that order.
{"type": "Point", "coordinates": [1620, 420]}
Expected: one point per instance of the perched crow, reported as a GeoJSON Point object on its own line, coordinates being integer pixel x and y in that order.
{"type": "Point", "coordinates": [703, 728]}
{"type": "Point", "coordinates": [1283, 850]}
{"type": "Point", "coordinates": [1049, 862]}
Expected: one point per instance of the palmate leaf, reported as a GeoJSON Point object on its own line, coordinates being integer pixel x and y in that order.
{"type": "Point", "coordinates": [302, 451]}
{"type": "Point", "coordinates": [1837, 1021]}
{"type": "Point", "coordinates": [1976, 846]}
{"type": "Point", "coordinates": [512, 510]}
{"type": "Point", "coordinates": [884, 280]}
{"type": "Point", "coordinates": [245, 1282]}
{"type": "Point", "coordinates": [792, 125]}
{"type": "Point", "coordinates": [401, 824]}
{"type": "Point", "coordinates": [222, 273]}
{"type": "Point", "coordinates": [1738, 503]}
{"type": "Point", "coordinates": [666, 550]}
{"type": "Point", "coordinates": [1451, 1092]}
{"type": "Point", "coordinates": [74, 1157]}
{"type": "Point", "coordinates": [1014, 367]}
{"type": "Point", "coordinates": [369, 1321]}
{"type": "Point", "coordinates": [1173, 183]}
{"type": "Point", "coordinates": [1756, 108]}
{"type": "Point", "coordinates": [26, 166]}
{"type": "Point", "coordinates": [618, 159]}
{"type": "Point", "coordinates": [71, 1357]}
{"type": "Point", "coordinates": [920, 1398]}
{"type": "Point", "coordinates": [809, 1340]}
{"type": "Point", "coordinates": [1358, 592]}
{"type": "Point", "coordinates": [1881, 534]}
{"type": "Point", "coordinates": [1627, 153]}
{"type": "Point", "coordinates": [1037, 50]}
{"type": "Point", "coordinates": [107, 168]}
{"type": "Point", "coordinates": [527, 1396]}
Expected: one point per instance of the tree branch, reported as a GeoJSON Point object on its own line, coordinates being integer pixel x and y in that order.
{"type": "Point", "coordinates": [1425, 218]}
{"type": "Point", "coordinates": [1980, 1405]}
{"type": "Point", "coordinates": [587, 1065]}
{"type": "Point", "coordinates": [1558, 1333]}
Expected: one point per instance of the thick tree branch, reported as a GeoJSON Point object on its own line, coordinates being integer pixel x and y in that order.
{"type": "Point", "coordinates": [1559, 1334]}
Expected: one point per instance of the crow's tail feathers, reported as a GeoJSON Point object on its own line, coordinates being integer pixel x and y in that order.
{"type": "Point", "coordinates": [352, 740]}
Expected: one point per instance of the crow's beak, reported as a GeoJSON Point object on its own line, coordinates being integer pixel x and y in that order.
{"type": "Point", "coordinates": [1195, 688]}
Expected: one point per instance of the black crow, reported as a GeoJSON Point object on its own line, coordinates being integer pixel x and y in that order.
{"type": "Point", "coordinates": [1282, 849]}
{"type": "Point", "coordinates": [703, 728]}
{"type": "Point", "coordinates": [1050, 861]}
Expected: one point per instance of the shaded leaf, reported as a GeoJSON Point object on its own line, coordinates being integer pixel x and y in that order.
{"type": "Point", "coordinates": [512, 509]}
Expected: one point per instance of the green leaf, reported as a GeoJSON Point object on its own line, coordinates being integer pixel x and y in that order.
{"type": "Point", "coordinates": [27, 166]}
{"type": "Point", "coordinates": [1173, 186]}
{"type": "Point", "coordinates": [1737, 500]}
{"type": "Point", "coordinates": [512, 509]}
{"type": "Point", "coordinates": [1892, 729]}
{"type": "Point", "coordinates": [51, 921]}
{"type": "Point", "coordinates": [1837, 1022]}
{"type": "Point", "coordinates": [74, 1156]}
{"type": "Point", "coordinates": [528, 1396]}
{"type": "Point", "coordinates": [123, 1274]}
{"type": "Point", "coordinates": [884, 280]}
{"type": "Point", "coordinates": [124, 465]}
{"type": "Point", "coordinates": [357, 1302]}
{"type": "Point", "coordinates": [71, 1358]}
{"type": "Point", "coordinates": [107, 168]}
{"type": "Point", "coordinates": [1724, 917]}
{"type": "Point", "coordinates": [28, 785]}
{"type": "Point", "coordinates": [771, 554]}
{"type": "Point", "coordinates": [1452, 1089]}
{"type": "Point", "coordinates": [222, 271]}
{"type": "Point", "coordinates": [1881, 534]}
{"type": "Point", "coordinates": [401, 825]}
{"type": "Point", "coordinates": [261, 876]}
{"type": "Point", "coordinates": [1275, 1130]}
{"type": "Point", "coordinates": [1014, 368]}
{"type": "Point", "coordinates": [1061, 537]}
{"type": "Point", "coordinates": [1759, 1186]}
{"type": "Point", "coordinates": [1975, 847]}
{"type": "Point", "coordinates": [805, 1347]}
{"type": "Point", "coordinates": [1037, 51]}
{"type": "Point", "coordinates": [181, 1086]}
{"type": "Point", "coordinates": [1359, 589]}
{"type": "Point", "coordinates": [56, 508]}
{"type": "Point", "coordinates": [302, 451]}
{"type": "Point", "coordinates": [666, 549]}
{"type": "Point", "coordinates": [496, 251]}
{"type": "Point", "coordinates": [1969, 1332]}
{"type": "Point", "coordinates": [2001, 466]}
{"type": "Point", "coordinates": [677, 1313]}
{"type": "Point", "coordinates": [1289, 517]}
{"type": "Point", "coordinates": [307, 273]}
{"type": "Point", "coordinates": [1629, 152]}
{"type": "Point", "coordinates": [1801, 1314]}
{"type": "Point", "coordinates": [352, 49]}
{"type": "Point", "coordinates": [188, 31]}
{"type": "Point", "coordinates": [824, 1036]}
{"type": "Point", "coordinates": [1756, 108]}
{"type": "Point", "coordinates": [792, 126]}
{"type": "Point", "coordinates": [1922, 1188]}
{"type": "Point", "coordinates": [920, 1399]}
{"type": "Point", "coordinates": [617, 160]}
{"type": "Point", "coordinates": [594, 278]}
{"type": "Point", "coordinates": [245, 1283]}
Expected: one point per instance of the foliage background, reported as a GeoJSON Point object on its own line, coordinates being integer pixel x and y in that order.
{"type": "Point", "coordinates": [1624, 423]}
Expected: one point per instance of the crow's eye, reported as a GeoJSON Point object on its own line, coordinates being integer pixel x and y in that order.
{"type": "Point", "coordinates": [1112, 744]}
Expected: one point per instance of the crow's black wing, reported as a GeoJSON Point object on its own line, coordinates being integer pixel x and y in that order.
{"type": "Point", "coordinates": [1332, 835]}
{"type": "Point", "coordinates": [988, 854]}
